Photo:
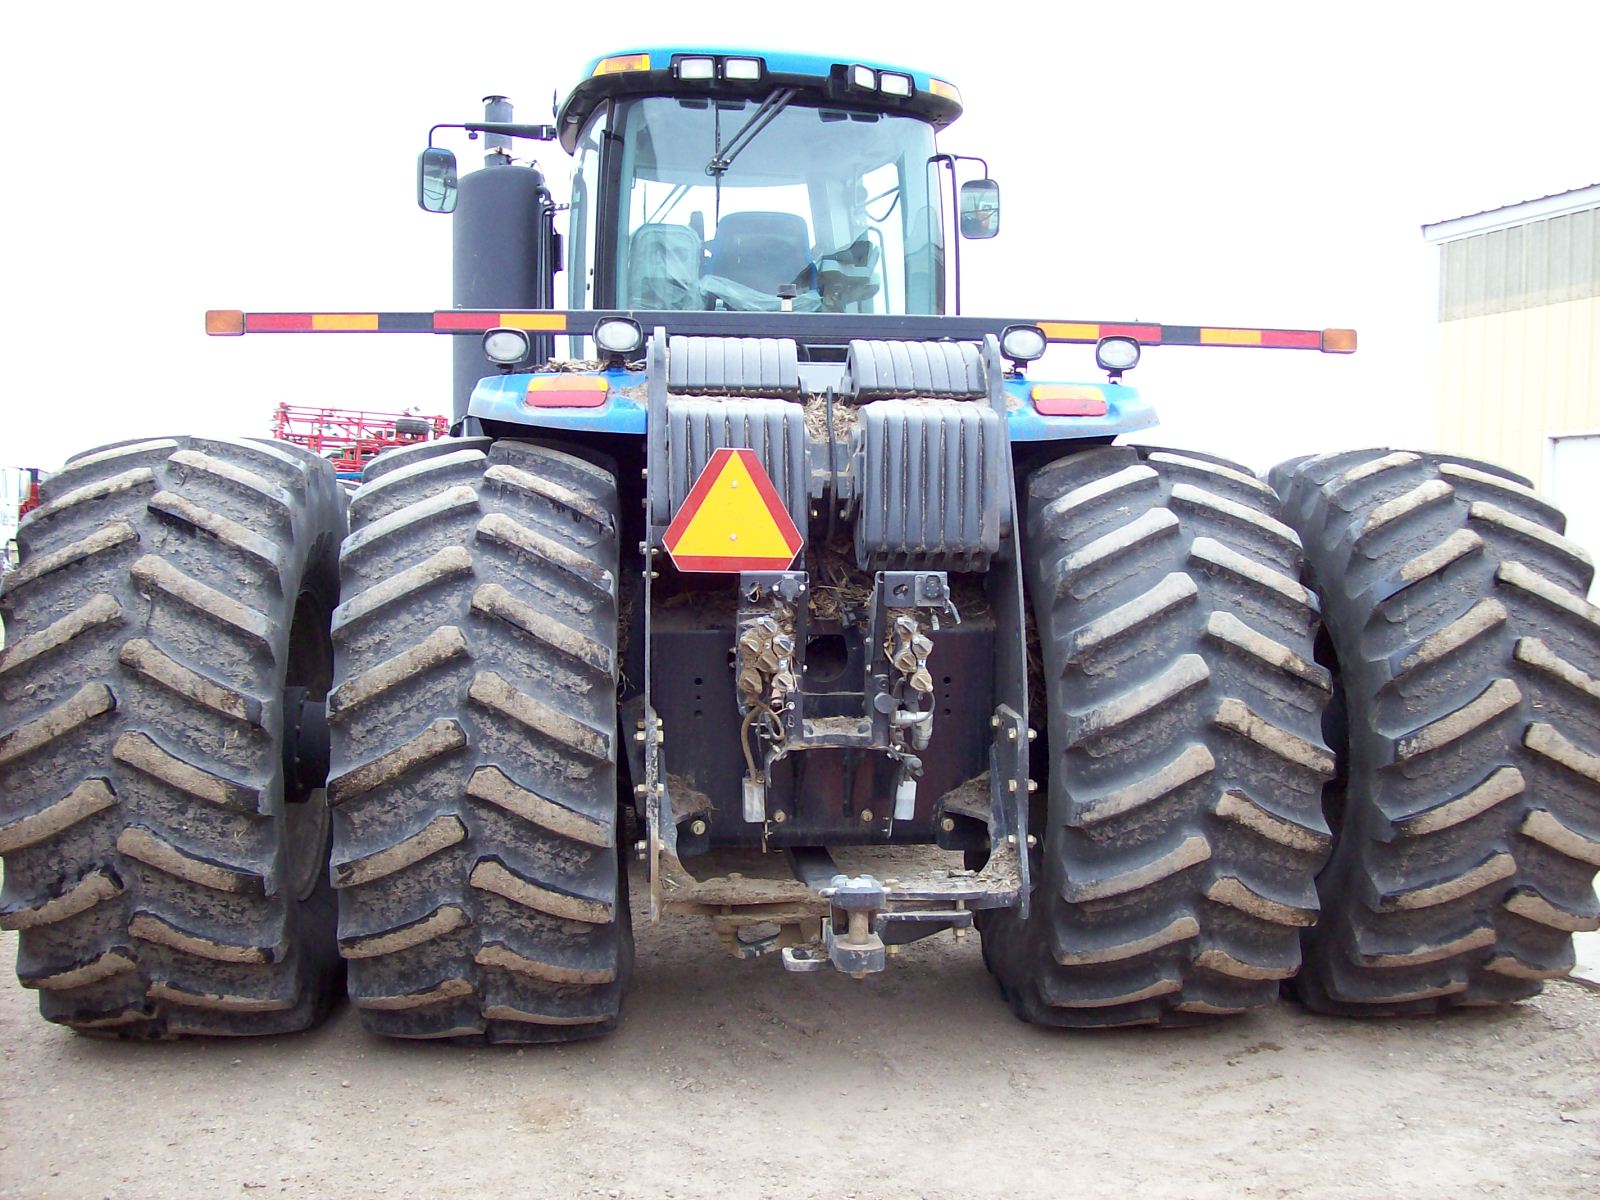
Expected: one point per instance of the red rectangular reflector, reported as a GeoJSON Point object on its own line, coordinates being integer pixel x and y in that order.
{"type": "Point", "coordinates": [1147, 335]}
{"type": "Point", "coordinates": [1292, 339]}
{"type": "Point", "coordinates": [277, 323]}
{"type": "Point", "coordinates": [1068, 400]}
{"type": "Point", "coordinates": [566, 391]}
{"type": "Point", "coordinates": [443, 321]}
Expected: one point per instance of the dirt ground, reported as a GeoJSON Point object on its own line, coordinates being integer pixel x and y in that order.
{"type": "Point", "coordinates": [734, 1079]}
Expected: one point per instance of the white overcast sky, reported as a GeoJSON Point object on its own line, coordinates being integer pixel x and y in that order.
{"type": "Point", "coordinates": [1190, 163]}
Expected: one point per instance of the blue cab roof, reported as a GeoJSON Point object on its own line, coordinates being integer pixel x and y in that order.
{"type": "Point", "coordinates": [649, 71]}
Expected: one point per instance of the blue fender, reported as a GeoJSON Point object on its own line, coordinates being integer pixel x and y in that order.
{"type": "Point", "coordinates": [623, 409]}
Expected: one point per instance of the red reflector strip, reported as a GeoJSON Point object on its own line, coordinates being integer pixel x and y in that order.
{"type": "Point", "coordinates": [1068, 400]}
{"type": "Point", "coordinates": [1148, 335]}
{"type": "Point", "coordinates": [444, 322]}
{"type": "Point", "coordinates": [566, 391]}
{"type": "Point", "coordinates": [1292, 339]}
{"type": "Point", "coordinates": [277, 323]}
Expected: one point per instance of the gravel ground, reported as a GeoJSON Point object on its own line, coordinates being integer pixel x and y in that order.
{"type": "Point", "coordinates": [733, 1079]}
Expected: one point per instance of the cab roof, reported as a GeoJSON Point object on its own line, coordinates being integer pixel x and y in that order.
{"type": "Point", "coordinates": [654, 71]}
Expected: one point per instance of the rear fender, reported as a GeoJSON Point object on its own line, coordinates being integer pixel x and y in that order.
{"type": "Point", "coordinates": [533, 400]}
{"type": "Point", "coordinates": [623, 408]}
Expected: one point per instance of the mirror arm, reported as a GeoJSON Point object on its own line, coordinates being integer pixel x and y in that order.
{"type": "Point", "coordinates": [537, 133]}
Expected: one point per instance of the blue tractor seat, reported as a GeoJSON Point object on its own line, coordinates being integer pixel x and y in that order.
{"type": "Point", "coordinates": [764, 251]}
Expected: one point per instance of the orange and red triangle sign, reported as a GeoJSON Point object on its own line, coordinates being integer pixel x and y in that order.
{"type": "Point", "coordinates": [732, 520]}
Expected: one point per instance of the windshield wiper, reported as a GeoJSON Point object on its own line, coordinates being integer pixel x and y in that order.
{"type": "Point", "coordinates": [759, 120]}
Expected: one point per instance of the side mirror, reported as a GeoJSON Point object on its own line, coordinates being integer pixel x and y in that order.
{"type": "Point", "coordinates": [436, 181]}
{"type": "Point", "coordinates": [980, 208]}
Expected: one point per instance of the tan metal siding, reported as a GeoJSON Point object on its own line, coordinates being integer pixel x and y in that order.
{"type": "Point", "coordinates": [1510, 379]}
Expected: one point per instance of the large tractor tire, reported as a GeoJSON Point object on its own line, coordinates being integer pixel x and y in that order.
{"type": "Point", "coordinates": [164, 874]}
{"type": "Point", "coordinates": [473, 781]}
{"type": "Point", "coordinates": [1185, 756]}
{"type": "Point", "coordinates": [1469, 662]}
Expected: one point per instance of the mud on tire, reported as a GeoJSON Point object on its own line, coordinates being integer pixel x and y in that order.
{"type": "Point", "coordinates": [169, 591]}
{"type": "Point", "coordinates": [473, 781]}
{"type": "Point", "coordinates": [1470, 667]}
{"type": "Point", "coordinates": [1185, 756]}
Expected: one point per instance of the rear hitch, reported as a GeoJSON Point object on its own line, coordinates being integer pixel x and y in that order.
{"type": "Point", "coordinates": [853, 946]}
{"type": "Point", "coordinates": [861, 925]}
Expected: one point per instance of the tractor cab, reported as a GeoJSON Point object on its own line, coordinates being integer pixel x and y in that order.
{"type": "Point", "coordinates": [755, 184]}
{"type": "Point", "coordinates": [716, 182]}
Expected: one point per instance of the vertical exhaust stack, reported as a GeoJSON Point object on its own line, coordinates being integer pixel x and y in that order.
{"type": "Point", "coordinates": [497, 146]}
{"type": "Point", "coordinates": [500, 251]}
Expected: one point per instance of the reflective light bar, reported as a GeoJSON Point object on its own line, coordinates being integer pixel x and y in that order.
{"type": "Point", "coordinates": [619, 63]}
{"type": "Point", "coordinates": [566, 391]}
{"type": "Point", "coordinates": [230, 322]}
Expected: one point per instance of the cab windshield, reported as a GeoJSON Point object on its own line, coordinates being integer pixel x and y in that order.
{"type": "Point", "coordinates": [822, 210]}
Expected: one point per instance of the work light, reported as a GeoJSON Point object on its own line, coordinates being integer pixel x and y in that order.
{"type": "Point", "coordinates": [506, 346]}
{"type": "Point", "coordinates": [618, 335]}
{"type": "Point", "coordinates": [1116, 354]}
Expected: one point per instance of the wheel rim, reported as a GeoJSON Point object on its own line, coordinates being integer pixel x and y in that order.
{"type": "Point", "coordinates": [308, 824]}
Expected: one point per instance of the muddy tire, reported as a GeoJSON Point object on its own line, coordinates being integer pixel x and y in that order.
{"type": "Point", "coordinates": [169, 592]}
{"type": "Point", "coordinates": [1184, 749]}
{"type": "Point", "coordinates": [1469, 830]}
{"type": "Point", "coordinates": [474, 736]}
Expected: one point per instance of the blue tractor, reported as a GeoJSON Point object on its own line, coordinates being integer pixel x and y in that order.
{"type": "Point", "coordinates": [753, 559]}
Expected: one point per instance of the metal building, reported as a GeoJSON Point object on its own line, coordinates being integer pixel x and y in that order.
{"type": "Point", "coordinates": [1519, 345]}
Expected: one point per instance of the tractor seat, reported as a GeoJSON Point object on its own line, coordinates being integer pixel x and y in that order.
{"type": "Point", "coordinates": [764, 251]}
{"type": "Point", "coordinates": [664, 268]}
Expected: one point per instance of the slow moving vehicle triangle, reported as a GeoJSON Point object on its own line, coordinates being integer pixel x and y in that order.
{"type": "Point", "coordinates": [732, 520]}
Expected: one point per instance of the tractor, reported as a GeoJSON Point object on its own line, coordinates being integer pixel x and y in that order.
{"type": "Point", "coordinates": [754, 559]}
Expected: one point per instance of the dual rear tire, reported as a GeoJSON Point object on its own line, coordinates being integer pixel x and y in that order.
{"type": "Point", "coordinates": [1184, 866]}
{"type": "Point", "coordinates": [175, 601]}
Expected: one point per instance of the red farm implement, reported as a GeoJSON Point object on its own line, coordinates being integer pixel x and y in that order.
{"type": "Point", "coordinates": [351, 438]}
